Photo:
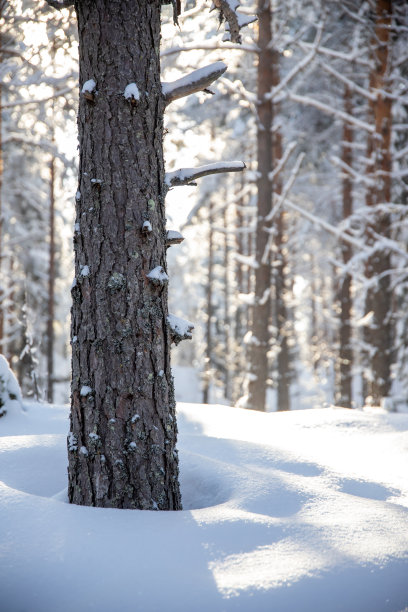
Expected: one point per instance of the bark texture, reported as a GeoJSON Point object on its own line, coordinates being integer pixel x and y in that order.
{"type": "Point", "coordinates": [259, 345]}
{"type": "Point", "coordinates": [378, 334]}
{"type": "Point", "coordinates": [279, 274]}
{"type": "Point", "coordinates": [345, 349]}
{"type": "Point", "coordinates": [123, 429]}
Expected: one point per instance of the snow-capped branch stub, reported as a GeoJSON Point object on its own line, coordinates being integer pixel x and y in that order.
{"type": "Point", "coordinates": [192, 83]}
{"type": "Point", "coordinates": [180, 329]}
{"type": "Point", "coordinates": [173, 237]}
{"type": "Point", "coordinates": [131, 92]}
{"type": "Point", "coordinates": [158, 276]}
{"type": "Point", "coordinates": [185, 176]}
{"type": "Point", "coordinates": [89, 89]}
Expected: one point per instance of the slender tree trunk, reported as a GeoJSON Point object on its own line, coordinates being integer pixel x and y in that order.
{"type": "Point", "coordinates": [379, 333]}
{"type": "Point", "coordinates": [345, 349]}
{"type": "Point", "coordinates": [51, 283]}
{"type": "Point", "coordinates": [1, 201]}
{"type": "Point", "coordinates": [229, 364]}
{"type": "Point", "coordinates": [123, 429]}
{"type": "Point", "coordinates": [280, 267]}
{"type": "Point", "coordinates": [210, 312]}
{"type": "Point", "coordinates": [258, 349]}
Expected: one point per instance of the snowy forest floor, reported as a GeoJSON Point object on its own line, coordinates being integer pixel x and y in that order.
{"type": "Point", "coordinates": [303, 511]}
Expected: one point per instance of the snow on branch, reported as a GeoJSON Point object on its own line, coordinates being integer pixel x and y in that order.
{"type": "Point", "coordinates": [173, 237]}
{"type": "Point", "coordinates": [353, 56]}
{"type": "Point", "coordinates": [180, 329]}
{"type": "Point", "coordinates": [235, 21]}
{"type": "Point", "coordinates": [208, 45]}
{"type": "Point", "coordinates": [329, 110]}
{"type": "Point", "coordinates": [287, 187]}
{"type": "Point", "coordinates": [24, 101]}
{"type": "Point", "coordinates": [327, 226]}
{"type": "Point", "coordinates": [357, 176]}
{"type": "Point", "coordinates": [195, 81]}
{"type": "Point", "coordinates": [299, 66]}
{"type": "Point", "coordinates": [186, 176]}
{"type": "Point", "coordinates": [282, 162]}
{"type": "Point", "coordinates": [351, 84]}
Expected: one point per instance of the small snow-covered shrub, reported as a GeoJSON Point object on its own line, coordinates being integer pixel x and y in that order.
{"type": "Point", "coordinates": [10, 393]}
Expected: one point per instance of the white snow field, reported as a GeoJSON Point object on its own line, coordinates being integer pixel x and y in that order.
{"type": "Point", "coordinates": [304, 511]}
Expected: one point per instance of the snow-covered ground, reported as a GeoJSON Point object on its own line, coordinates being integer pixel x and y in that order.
{"type": "Point", "coordinates": [305, 511]}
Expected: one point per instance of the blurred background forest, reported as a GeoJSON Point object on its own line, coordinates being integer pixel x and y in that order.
{"type": "Point", "coordinates": [294, 272]}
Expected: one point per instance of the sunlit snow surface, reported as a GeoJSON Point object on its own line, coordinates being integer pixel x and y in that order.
{"type": "Point", "coordinates": [306, 511]}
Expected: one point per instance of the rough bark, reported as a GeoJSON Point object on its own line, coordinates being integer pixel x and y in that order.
{"type": "Point", "coordinates": [123, 429]}
{"type": "Point", "coordinates": [378, 334]}
{"type": "Point", "coordinates": [258, 347]}
{"type": "Point", "coordinates": [1, 204]}
{"type": "Point", "coordinates": [345, 348]}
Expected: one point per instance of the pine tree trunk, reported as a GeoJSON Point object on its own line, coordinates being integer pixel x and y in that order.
{"type": "Point", "coordinates": [258, 349]}
{"type": "Point", "coordinates": [210, 312]}
{"type": "Point", "coordinates": [283, 360]}
{"type": "Point", "coordinates": [1, 202]}
{"type": "Point", "coordinates": [51, 283]}
{"type": "Point", "coordinates": [378, 334]}
{"type": "Point", "coordinates": [229, 364]}
{"type": "Point", "coordinates": [345, 349]}
{"type": "Point", "coordinates": [123, 430]}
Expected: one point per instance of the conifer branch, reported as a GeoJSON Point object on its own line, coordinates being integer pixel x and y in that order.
{"type": "Point", "coordinates": [198, 80]}
{"type": "Point", "coordinates": [186, 176]}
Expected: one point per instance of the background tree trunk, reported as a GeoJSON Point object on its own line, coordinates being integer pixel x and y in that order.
{"type": "Point", "coordinates": [258, 348]}
{"type": "Point", "coordinates": [345, 350]}
{"type": "Point", "coordinates": [123, 430]}
{"type": "Point", "coordinates": [378, 333]}
{"type": "Point", "coordinates": [210, 310]}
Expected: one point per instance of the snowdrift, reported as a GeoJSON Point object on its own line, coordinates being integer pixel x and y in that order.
{"type": "Point", "coordinates": [302, 511]}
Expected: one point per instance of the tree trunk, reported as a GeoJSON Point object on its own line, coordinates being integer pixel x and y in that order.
{"type": "Point", "coordinates": [281, 323]}
{"type": "Point", "coordinates": [51, 283]}
{"type": "Point", "coordinates": [378, 333]}
{"type": "Point", "coordinates": [1, 201]}
{"type": "Point", "coordinates": [258, 348]}
{"type": "Point", "coordinates": [345, 350]}
{"type": "Point", "coordinates": [123, 429]}
{"type": "Point", "coordinates": [229, 363]}
{"type": "Point", "coordinates": [210, 311]}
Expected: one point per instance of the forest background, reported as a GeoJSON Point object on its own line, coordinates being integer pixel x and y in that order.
{"type": "Point", "coordinates": [294, 272]}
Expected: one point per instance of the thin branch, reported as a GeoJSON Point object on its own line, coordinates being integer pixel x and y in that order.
{"type": "Point", "coordinates": [327, 226]}
{"type": "Point", "coordinates": [282, 162]}
{"type": "Point", "coordinates": [329, 110]}
{"type": "Point", "coordinates": [195, 81]}
{"type": "Point", "coordinates": [23, 101]}
{"type": "Point", "coordinates": [300, 66]}
{"type": "Point", "coordinates": [185, 176]}
{"type": "Point", "coordinates": [209, 46]}
{"type": "Point", "coordinates": [353, 86]}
